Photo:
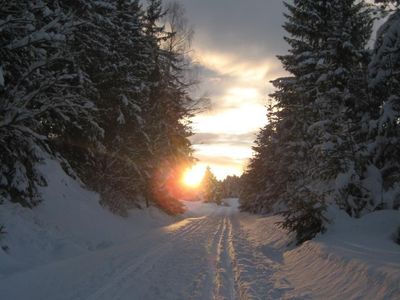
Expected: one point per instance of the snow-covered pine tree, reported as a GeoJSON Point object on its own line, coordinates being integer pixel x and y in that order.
{"type": "Point", "coordinates": [123, 99]}
{"type": "Point", "coordinates": [168, 106]}
{"type": "Point", "coordinates": [262, 183]}
{"type": "Point", "coordinates": [58, 55]}
{"type": "Point", "coordinates": [315, 125]}
{"type": "Point", "coordinates": [384, 71]}
{"type": "Point", "coordinates": [343, 106]}
{"type": "Point", "coordinates": [280, 171]}
{"type": "Point", "coordinates": [110, 52]}
{"type": "Point", "coordinates": [334, 79]}
{"type": "Point", "coordinates": [38, 98]}
{"type": "Point", "coordinates": [294, 114]}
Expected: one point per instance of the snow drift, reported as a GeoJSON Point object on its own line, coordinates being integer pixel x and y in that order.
{"type": "Point", "coordinates": [68, 222]}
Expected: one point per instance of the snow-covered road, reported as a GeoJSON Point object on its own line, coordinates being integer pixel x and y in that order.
{"type": "Point", "coordinates": [196, 258]}
{"type": "Point", "coordinates": [212, 254]}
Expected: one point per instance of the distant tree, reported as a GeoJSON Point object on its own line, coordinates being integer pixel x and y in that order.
{"type": "Point", "coordinates": [231, 187]}
{"type": "Point", "coordinates": [211, 187]}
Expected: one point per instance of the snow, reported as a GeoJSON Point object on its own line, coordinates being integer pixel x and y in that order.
{"type": "Point", "coordinates": [36, 37]}
{"type": "Point", "coordinates": [69, 222]}
{"type": "Point", "coordinates": [198, 208]}
{"type": "Point", "coordinates": [356, 259]}
{"type": "Point", "coordinates": [71, 248]}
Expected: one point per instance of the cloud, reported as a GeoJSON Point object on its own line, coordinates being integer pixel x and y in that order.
{"type": "Point", "coordinates": [245, 139]}
{"type": "Point", "coordinates": [252, 28]}
{"type": "Point", "coordinates": [236, 44]}
{"type": "Point", "coordinates": [239, 120]}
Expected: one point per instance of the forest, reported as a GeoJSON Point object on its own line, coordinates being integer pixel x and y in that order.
{"type": "Point", "coordinates": [104, 87]}
{"type": "Point", "coordinates": [333, 133]}
{"type": "Point", "coordinates": [111, 187]}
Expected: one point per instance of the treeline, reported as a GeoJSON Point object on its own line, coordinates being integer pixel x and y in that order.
{"type": "Point", "coordinates": [102, 86]}
{"type": "Point", "coordinates": [215, 191]}
{"type": "Point", "coordinates": [333, 136]}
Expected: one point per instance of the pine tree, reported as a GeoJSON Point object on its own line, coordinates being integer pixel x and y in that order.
{"type": "Point", "coordinates": [109, 50]}
{"type": "Point", "coordinates": [211, 188]}
{"type": "Point", "coordinates": [343, 105]}
{"type": "Point", "coordinates": [384, 71]}
{"type": "Point", "coordinates": [38, 92]}
{"type": "Point", "coordinates": [102, 91]}
{"type": "Point", "coordinates": [230, 187]}
{"type": "Point", "coordinates": [314, 135]}
{"type": "Point", "coordinates": [263, 183]}
{"type": "Point", "coordinates": [335, 64]}
{"type": "Point", "coordinates": [168, 106]}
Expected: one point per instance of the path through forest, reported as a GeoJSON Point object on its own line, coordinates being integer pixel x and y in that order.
{"type": "Point", "coordinates": [214, 253]}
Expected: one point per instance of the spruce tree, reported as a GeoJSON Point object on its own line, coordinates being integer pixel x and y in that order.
{"type": "Point", "coordinates": [336, 85]}
{"type": "Point", "coordinates": [211, 187]}
{"type": "Point", "coordinates": [263, 183]}
{"type": "Point", "coordinates": [230, 187]}
{"type": "Point", "coordinates": [315, 133]}
{"type": "Point", "coordinates": [109, 50]}
{"type": "Point", "coordinates": [384, 140]}
{"type": "Point", "coordinates": [39, 98]}
{"type": "Point", "coordinates": [167, 108]}
{"type": "Point", "coordinates": [343, 106]}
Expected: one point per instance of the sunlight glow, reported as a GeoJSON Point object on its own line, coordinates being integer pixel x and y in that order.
{"type": "Point", "coordinates": [194, 176]}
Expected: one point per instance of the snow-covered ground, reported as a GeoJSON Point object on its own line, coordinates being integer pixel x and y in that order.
{"type": "Point", "coordinates": [71, 248]}
{"type": "Point", "coordinates": [69, 222]}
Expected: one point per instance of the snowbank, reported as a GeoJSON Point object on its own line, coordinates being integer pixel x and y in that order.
{"type": "Point", "coordinates": [355, 259]}
{"type": "Point", "coordinates": [69, 222]}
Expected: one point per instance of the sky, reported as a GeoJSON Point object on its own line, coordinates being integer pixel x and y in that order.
{"type": "Point", "coordinates": [235, 46]}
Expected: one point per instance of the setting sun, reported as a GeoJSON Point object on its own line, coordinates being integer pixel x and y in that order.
{"type": "Point", "coordinates": [194, 176]}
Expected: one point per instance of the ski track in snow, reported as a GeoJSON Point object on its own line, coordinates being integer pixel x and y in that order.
{"type": "Point", "coordinates": [220, 255]}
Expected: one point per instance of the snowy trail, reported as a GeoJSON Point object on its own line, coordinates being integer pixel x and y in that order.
{"type": "Point", "coordinates": [219, 255]}
{"type": "Point", "coordinates": [192, 259]}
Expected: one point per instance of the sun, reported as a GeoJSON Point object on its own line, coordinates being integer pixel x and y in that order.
{"type": "Point", "coordinates": [193, 176]}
